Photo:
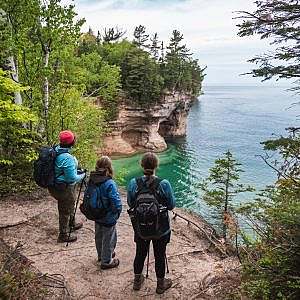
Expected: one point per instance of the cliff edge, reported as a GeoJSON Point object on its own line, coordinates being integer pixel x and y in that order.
{"type": "Point", "coordinates": [140, 128]}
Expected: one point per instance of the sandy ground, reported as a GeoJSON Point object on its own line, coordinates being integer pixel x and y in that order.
{"type": "Point", "coordinates": [195, 268]}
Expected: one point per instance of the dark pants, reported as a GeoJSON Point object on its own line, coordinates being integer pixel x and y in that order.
{"type": "Point", "coordinates": [66, 203]}
{"type": "Point", "coordinates": [159, 248]}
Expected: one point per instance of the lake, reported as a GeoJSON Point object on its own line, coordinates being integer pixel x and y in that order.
{"type": "Point", "coordinates": [224, 118]}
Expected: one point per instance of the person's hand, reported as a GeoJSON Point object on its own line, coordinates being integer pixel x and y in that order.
{"type": "Point", "coordinates": [81, 171]}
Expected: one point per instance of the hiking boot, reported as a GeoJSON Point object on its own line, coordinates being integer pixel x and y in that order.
{"type": "Point", "coordinates": [162, 285]}
{"type": "Point", "coordinates": [76, 226]}
{"type": "Point", "coordinates": [138, 281]}
{"type": "Point", "coordinates": [114, 263]}
{"type": "Point", "coordinates": [66, 238]}
{"type": "Point", "coordinates": [112, 256]}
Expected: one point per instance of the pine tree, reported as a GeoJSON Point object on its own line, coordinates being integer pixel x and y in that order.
{"type": "Point", "coordinates": [140, 37]}
{"type": "Point", "coordinates": [277, 21]}
{"type": "Point", "coordinates": [141, 78]}
{"type": "Point", "coordinates": [112, 34]}
{"type": "Point", "coordinates": [176, 48]}
{"type": "Point", "coordinates": [162, 53]}
{"type": "Point", "coordinates": [222, 186]}
{"type": "Point", "coordinates": [98, 38]}
{"type": "Point", "coordinates": [271, 260]}
{"type": "Point", "coordinates": [176, 56]}
{"type": "Point", "coordinates": [154, 48]}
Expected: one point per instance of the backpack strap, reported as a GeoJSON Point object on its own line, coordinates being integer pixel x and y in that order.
{"type": "Point", "coordinates": [56, 156]}
{"type": "Point", "coordinates": [140, 184]}
{"type": "Point", "coordinates": [98, 185]}
{"type": "Point", "coordinates": [153, 187]}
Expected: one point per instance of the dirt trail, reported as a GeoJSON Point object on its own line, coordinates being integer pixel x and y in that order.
{"type": "Point", "coordinates": [195, 269]}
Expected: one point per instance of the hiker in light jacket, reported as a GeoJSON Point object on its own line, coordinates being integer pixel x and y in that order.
{"type": "Point", "coordinates": [105, 228]}
{"type": "Point", "coordinates": [149, 164]}
{"type": "Point", "coordinates": [64, 190]}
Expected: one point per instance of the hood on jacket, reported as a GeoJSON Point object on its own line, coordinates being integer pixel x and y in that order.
{"type": "Point", "coordinates": [60, 150]}
{"type": "Point", "coordinates": [99, 176]}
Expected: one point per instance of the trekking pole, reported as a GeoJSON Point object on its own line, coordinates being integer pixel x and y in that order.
{"type": "Point", "coordinates": [77, 201]}
{"type": "Point", "coordinates": [167, 265]}
{"type": "Point", "coordinates": [78, 197]}
{"type": "Point", "coordinates": [147, 274]}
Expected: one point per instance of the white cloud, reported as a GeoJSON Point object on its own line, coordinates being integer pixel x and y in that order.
{"type": "Point", "coordinates": [207, 25]}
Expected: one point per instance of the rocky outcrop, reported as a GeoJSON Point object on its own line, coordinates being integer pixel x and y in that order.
{"type": "Point", "coordinates": [140, 129]}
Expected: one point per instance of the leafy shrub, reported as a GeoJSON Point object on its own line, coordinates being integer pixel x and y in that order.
{"type": "Point", "coordinates": [17, 141]}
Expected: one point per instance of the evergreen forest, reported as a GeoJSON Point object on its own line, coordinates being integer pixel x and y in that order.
{"type": "Point", "coordinates": [55, 77]}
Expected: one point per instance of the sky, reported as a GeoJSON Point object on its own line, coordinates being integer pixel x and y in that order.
{"type": "Point", "coordinates": [208, 26]}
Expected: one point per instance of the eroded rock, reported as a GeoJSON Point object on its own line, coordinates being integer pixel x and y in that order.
{"type": "Point", "coordinates": [140, 129]}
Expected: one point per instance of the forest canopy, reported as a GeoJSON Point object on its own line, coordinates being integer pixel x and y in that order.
{"type": "Point", "coordinates": [60, 78]}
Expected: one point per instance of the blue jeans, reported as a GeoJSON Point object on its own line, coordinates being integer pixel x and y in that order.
{"type": "Point", "coordinates": [106, 241]}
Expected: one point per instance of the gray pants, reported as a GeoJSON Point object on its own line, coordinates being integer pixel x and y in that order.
{"type": "Point", "coordinates": [106, 241]}
{"type": "Point", "coordinates": [66, 204]}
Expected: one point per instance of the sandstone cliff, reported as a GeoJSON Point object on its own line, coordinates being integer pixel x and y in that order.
{"type": "Point", "coordinates": [140, 129]}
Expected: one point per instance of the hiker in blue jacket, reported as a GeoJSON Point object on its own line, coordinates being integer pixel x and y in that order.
{"type": "Point", "coordinates": [64, 190]}
{"type": "Point", "coordinates": [105, 227]}
{"type": "Point", "coordinates": [149, 164]}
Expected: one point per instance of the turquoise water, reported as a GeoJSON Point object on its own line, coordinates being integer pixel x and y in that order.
{"type": "Point", "coordinates": [234, 118]}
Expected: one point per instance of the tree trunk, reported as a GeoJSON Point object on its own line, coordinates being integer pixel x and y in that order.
{"type": "Point", "coordinates": [226, 203]}
{"type": "Point", "coordinates": [12, 61]}
{"type": "Point", "coordinates": [13, 66]}
{"type": "Point", "coordinates": [46, 90]}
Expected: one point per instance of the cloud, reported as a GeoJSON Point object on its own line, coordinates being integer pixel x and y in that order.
{"type": "Point", "coordinates": [207, 25]}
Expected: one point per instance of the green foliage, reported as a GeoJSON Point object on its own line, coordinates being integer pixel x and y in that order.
{"type": "Point", "coordinates": [120, 177]}
{"type": "Point", "coordinates": [271, 266]}
{"type": "Point", "coordinates": [277, 20]}
{"type": "Point", "coordinates": [87, 43]}
{"type": "Point", "coordinates": [141, 38]}
{"type": "Point", "coordinates": [140, 77]}
{"type": "Point", "coordinates": [39, 31]}
{"type": "Point", "coordinates": [145, 74]}
{"type": "Point", "coordinates": [221, 186]}
{"type": "Point", "coordinates": [271, 262]}
{"type": "Point", "coordinates": [16, 140]}
{"type": "Point", "coordinates": [82, 116]}
{"type": "Point", "coordinates": [73, 81]}
{"type": "Point", "coordinates": [115, 53]}
{"type": "Point", "coordinates": [111, 34]}
{"type": "Point", "coordinates": [180, 72]}
{"type": "Point", "coordinates": [155, 46]}
{"type": "Point", "coordinates": [16, 280]}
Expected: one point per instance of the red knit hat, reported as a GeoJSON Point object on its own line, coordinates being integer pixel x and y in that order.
{"type": "Point", "coordinates": [66, 137]}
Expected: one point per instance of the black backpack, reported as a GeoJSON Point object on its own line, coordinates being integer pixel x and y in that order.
{"type": "Point", "coordinates": [149, 211]}
{"type": "Point", "coordinates": [93, 206]}
{"type": "Point", "coordinates": [44, 167]}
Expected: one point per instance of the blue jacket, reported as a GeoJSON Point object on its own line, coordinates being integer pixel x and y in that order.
{"type": "Point", "coordinates": [110, 197]}
{"type": "Point", "coordinates": [164, 187]}
{"type": "Point", "coordinates": [66, 166]}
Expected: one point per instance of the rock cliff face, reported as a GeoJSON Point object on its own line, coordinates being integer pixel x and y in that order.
{"type": "Point", "coordinates": [143, 129]}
